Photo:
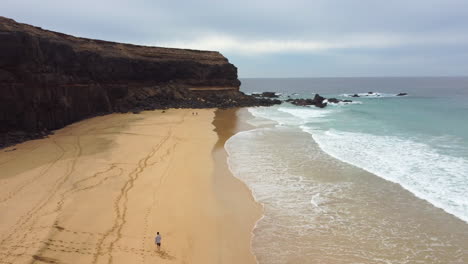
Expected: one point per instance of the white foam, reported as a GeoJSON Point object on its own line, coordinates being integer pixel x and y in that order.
{"type": "Point", "coordinates": [280, 117]}
{"type": "Point", "coordinates": [372, 95]}
{"type": "Point", "coordinates": [292, 116]}
{"type": "Point", "coordinates": [315, 199]}
{"type": "Point", "coordinates": [342, 103]}
{"type": "Point", "coordinates": [437, 178]}
{"type": "Point", "coordinates": [307, 114]}
{"type": "Point", "coordinates": [260, 120]}
{"type": "Point", "coordinates": [298, 206]}
{"type": "Point", "coordinates": [236, 173]}
{"type": "Point", "coordinates": [254, 162]}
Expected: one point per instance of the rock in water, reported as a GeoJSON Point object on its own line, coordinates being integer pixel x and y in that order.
{"type": "Point", "coordinates": [266, 94]}
{"type": "Point", "coordinates": [318, 101]}
{"type": "Point", "coordinates": [333, 100]}
{"type": "Point", "coordinates": [269, 94]}
{"type": "Point", "coordinates": [49, 80]}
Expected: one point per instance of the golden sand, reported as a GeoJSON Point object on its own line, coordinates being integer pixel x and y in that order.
{"type": "Point", "coordinates": [98, 191]}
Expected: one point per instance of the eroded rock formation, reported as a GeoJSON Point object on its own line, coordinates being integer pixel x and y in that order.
{"type": "Point", "coordinates": [49, 80]}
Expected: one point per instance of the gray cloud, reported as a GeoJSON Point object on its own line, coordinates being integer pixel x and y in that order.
{"type": "Point", "coordinates": [329, 32]}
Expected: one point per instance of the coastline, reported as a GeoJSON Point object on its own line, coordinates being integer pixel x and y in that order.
{"type": "Point", "coordinates": [244, 211]}
{"type": "Point", "coordinates": [327, 210]}
{"type": "Point", "coordinates": [67, 86]}
{"type": "Point", "coordinates": [98, 191]}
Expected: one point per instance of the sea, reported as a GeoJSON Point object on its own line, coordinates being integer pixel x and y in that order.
{"type": "Point", "coordinates": [382, 179]}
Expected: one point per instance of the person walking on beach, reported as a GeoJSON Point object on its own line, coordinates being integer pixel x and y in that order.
{"type": "Point", "coordinates": [157, 240]}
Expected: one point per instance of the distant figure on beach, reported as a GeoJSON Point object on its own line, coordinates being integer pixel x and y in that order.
{"type": "Point", "coordinates": [158, 240]}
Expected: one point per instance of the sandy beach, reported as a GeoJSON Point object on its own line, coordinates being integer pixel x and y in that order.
{"type": "Point", "coordinates": [97, 191]}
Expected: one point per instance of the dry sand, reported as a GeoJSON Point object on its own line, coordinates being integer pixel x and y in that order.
{"type": "Point", "coordinates": [97, 192]}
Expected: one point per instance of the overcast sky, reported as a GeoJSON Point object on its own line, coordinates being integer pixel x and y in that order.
{"type": "Point", "coordinates": [268, 38]}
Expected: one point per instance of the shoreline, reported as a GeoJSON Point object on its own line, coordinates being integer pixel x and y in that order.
{"type": "Point", "coordinates": [98, 190]}
{"type": "Point", "coordinates": [67, 87]}
{"type": "Point", "coordinates": [403, 186]}
{"type": "Point", "coordinates": [229, 122]}
{"type": "Point", "coordinates": [345, 203]}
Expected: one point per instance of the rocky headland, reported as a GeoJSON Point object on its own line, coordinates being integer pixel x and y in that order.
{"type": "Point", "coordinates": [49, 80]}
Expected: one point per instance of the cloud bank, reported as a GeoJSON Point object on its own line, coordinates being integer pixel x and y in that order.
{"type": "Point", "coordinates": [277, 38]}
{"type": "Point", "coordinates": [248, 46]}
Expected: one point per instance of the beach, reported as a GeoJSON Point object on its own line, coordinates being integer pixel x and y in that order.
{"type": "Point", "coordinates": [379, 180]}
{"type": "Point", "coordinates": [97, 191]}
{"type": "Point", "coordinates": [246, 185]}
{"type": "Point", "coordinates": [318, 209]}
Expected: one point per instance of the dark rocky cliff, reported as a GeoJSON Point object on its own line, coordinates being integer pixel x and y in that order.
{"type": "Point", "coordinates": [49, 80]}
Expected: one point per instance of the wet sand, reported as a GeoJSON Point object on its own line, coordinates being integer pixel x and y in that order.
{"type": "Point", "coordinates": [231, 193]}
{"type": "Point", "coordinates": [321, 210]}
{"type": "Point", "coordinates": [98, 190]}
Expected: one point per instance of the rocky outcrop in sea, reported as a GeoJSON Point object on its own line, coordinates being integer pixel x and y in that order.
{"type": "Point", "coordinates": [317, 101]}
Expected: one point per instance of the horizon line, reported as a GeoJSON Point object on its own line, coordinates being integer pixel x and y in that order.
{"type": "Point", "coordinates": [323, 77]}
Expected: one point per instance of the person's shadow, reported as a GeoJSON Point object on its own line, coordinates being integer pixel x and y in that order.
{"type": "Point", "coordinates": [164, 255]}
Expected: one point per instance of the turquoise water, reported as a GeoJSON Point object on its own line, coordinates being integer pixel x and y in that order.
{"type": "Point", "coordinates": [419, 141]}
{"type": "Point", "coordinates": [381, 180]}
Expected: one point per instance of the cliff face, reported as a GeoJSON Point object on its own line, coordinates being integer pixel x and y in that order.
{"type": "Point", "coordinates": [49, 79]}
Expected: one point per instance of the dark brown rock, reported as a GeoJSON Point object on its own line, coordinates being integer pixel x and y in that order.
{"type": "Point", "coordinates": [317, 101]}
{"type": "Point", "coordinates": [265, 94]}
{"type": "Point", "coordinates": [333, 100]}
{"type": "Point", "coordinates": [49, 80]}
{"type": "Point", "coordinates": [269, 95]}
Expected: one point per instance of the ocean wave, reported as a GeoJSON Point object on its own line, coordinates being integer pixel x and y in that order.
{"type": "Point", "coordinates": [342, 103]}
{"type": "Point", "coordinates": [309, 199]}
{"type": "Point", "coordinates": [307, 114]}
{"type": "Point", "coordinates": [292, 116]}
{"type": "Point", "coordinates": [372, 95]}
{"type": "Point", "coordinates": [437, 178]}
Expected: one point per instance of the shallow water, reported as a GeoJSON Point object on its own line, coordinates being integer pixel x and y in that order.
{"type": "Point", "coordinates": [382, 180]}
{"type": "Point", "coordinates": [321, 210]}
{"type": "Point", "coordinates": [419, 141]}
